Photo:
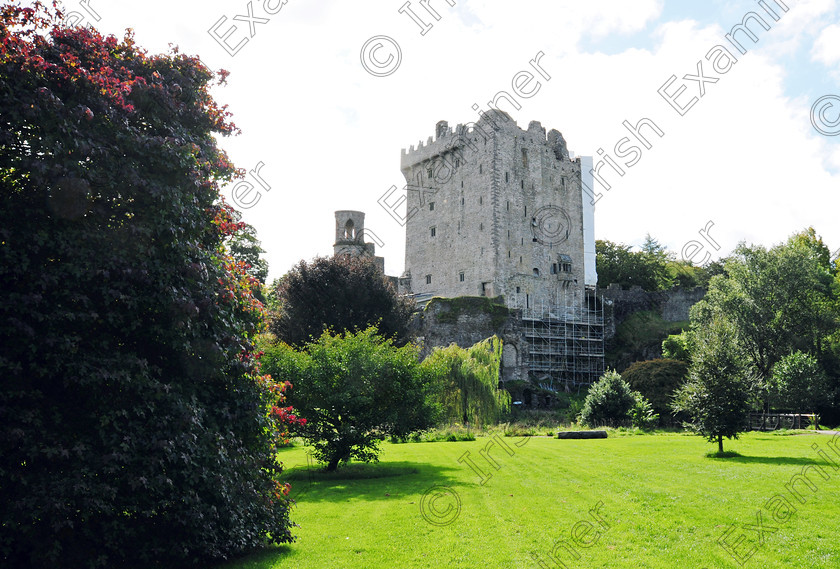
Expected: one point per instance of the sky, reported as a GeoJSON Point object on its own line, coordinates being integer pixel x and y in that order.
{"type": "Point", "coordinates": [327, 93]}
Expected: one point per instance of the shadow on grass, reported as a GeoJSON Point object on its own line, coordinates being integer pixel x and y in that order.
{"type": "Point", "coordinates": [778, 460]}
{"type": "Point", "coordinates": [365, 481]}
{"type": "Point", "coordinates": [269, 556]}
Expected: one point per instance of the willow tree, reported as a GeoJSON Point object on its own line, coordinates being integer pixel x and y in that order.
{"type": "Point", "coordinates": [468, 382]}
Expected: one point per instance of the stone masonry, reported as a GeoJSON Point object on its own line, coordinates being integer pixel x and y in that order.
{"type": "Point", "coordinates": [495, 210]}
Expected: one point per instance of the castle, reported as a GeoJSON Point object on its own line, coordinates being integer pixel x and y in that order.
{"type": "Point", "coordinates": [496, 211]}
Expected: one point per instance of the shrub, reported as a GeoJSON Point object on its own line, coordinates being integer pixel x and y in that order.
{"type": "Point", "coordinates": [657, 380]}
{"type": "Point", "coordinates": [135, 428]}
{"type": "Point", "coordinates": [608, 403]}
{"type": "Point", "coordinates": [354, 389]}
{"type": "Point", "coordinates": [642, 415]}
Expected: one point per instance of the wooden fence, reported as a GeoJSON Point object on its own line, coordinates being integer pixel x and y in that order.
{"type": "Point", "coordinates": [773, 421]}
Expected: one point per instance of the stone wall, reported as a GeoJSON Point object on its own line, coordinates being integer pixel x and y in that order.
{"type": "Point", "coordinates": [672, 305]}
{"type": "Point", "coordinates": [468, 320]}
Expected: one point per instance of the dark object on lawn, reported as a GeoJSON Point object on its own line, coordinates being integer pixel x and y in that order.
{"type": "Point", "coordinates": [582, 435]}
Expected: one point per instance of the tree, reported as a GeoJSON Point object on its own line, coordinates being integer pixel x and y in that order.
{"type": "Point", "coordinates": [716, 395]}
{"type": "Point", "coordinates": [467, 382]}
{"type": "Point", "coordinates": [245, 247]}
{"type": "Point", "coordinates": [646, 268]}
{"type": "Point", "coordinates": [354, 389]}
{"type": "Point", "coordinates": [677, 346]}
{"type": "Point", "coordinates": [135, 428]}
{"type": "Point", "coordinates": [777, 301]}
{"type": "Point", "coordinates": [798, 383]}
{"type": "Point", "coordinates": [808, 239]}
{"type": "Point", "coordinates": [340, 294]}
{"type": "Point", "coordinates": [657, 380]}
{"type": "Point", "coordinates": [609, 401]}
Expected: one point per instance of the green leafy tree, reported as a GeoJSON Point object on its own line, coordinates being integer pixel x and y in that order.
{"type": "Point", "coordinates": [609, 401]}
{"type": "Point", "coordinates": [776, 300]}
{"type": "Point", "coordinates": [340, 294]}
{"type": "Point", "coordinates": [716, 396]}
{"type": "Point", "coordinates": [646, 268]}
{"type": "Point", "coordinates": [467, 382]}
{"type": "Point", "coordinates": [799, 383]}
{"type": "Point", "coordinates": [354, 390]}
{"type": "Point", "coordinates": [808, 239]}
{"type": "Point", "coordinates": [677, 346]}
{"type": "Point", "coordinates": [135, 428]}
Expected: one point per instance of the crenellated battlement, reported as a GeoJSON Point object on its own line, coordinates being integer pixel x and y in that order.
{"type": "Point", "coordinates": [469, 135]}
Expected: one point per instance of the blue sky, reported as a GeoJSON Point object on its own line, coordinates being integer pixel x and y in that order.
{"type": "Point", "coordinates": [329, 132]}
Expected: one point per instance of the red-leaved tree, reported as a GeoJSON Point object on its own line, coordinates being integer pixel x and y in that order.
{"type": "Point", "coordinates": [135, 425]}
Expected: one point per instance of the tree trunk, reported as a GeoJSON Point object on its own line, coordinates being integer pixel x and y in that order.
{"type": "Point", "coordinates": [720, 443]}
{"type": "Point", "coordinates": [332, 464]}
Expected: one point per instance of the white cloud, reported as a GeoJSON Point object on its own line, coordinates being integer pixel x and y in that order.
{"type": "Point", "coordinates": [330, 134]}
{"type": "Point", "coordinates": [827, 46]}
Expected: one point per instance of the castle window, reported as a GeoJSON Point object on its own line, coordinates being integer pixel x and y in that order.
{"type": "Point", "coordinates": [522, 184]}
{"type": "Point", "coordinates": [430, 173]}
{"type": "Point", "coordinates": [462, 199]}
{"type": "Point", "coordinates": [462, 183]}
{"type": "Point", "coordinates": [349, 230]}
{"type": "Point", "coordinates": [508, 233]}
{"type": "Point", "coordinates": [507, 179]}
{"type": "Point", "coordinates": [563, 182]}
{"type": "Point", "coordinates": [481, 168]}
{"type": "Point", "coordinates": [433, 231]}
{"type": "Point", "coordinates": [518, 290]}
{"type": "Point", "coordinates": [536, 272]}
{"type": "Point", "coordinates": [481, 227]}
{"type": "Point", "coordinates": [524, 158]}
{"type": "Point", "coordinates": [431, 206]}
{"type": "Point", "coordinates": [526, 211]}
{"type": "Point", "coordinates": [508, 254]}
{"type": "Point", "coordinates": [565, 263]}
{"type": "Point", "coordinates": [480, 200]}
{"type": "Point", "coordinates": [428, 279]}
{"type": "Point", "coordinates": [457, 162]}
{"type": "Point", "coordinates": [461, 277]}
{"type": "Point", "coordinates": [508, 208]}
{"type": "Point", "coordinates": [553, 268]}
{"type": "Point", "coordinates": [520, 260]}
{"type": "Point", "coordinates": [522, 241]}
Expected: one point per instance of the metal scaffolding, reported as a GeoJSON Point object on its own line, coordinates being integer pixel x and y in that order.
{"type": "Point", "coordinates": [566, 341]}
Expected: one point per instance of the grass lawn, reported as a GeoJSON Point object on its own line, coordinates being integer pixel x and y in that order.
{"type": "Point", "coordinates": [661, 503]}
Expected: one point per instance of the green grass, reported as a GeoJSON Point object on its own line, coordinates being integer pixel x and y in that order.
{"type": "Point", "coordinates": [665, 502]}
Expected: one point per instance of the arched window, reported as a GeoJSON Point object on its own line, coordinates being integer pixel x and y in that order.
{"type": "Point", "coordinates": [349, 230]}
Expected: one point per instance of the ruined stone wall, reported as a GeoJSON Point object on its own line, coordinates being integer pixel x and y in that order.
{"type": "Point", "coordinates": [672, 305]}
{"type": "Point", "coordinates": [468, 320]}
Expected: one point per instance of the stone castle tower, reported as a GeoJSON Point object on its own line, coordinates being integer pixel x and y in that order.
{"type": "Point", "coordinates": [350, 237]}
{"type": "Point", "coordinates": [496, 210]}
